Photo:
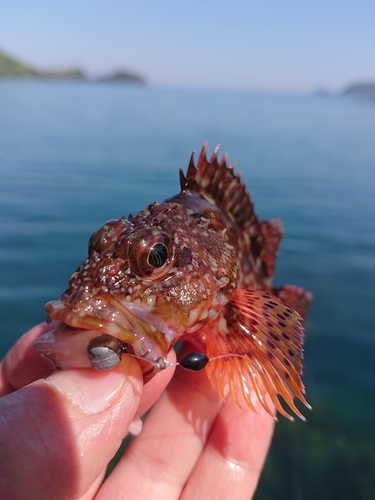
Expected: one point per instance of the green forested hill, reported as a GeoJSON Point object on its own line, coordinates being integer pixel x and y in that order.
{"type": "Point", "coordinates": [13, 69]}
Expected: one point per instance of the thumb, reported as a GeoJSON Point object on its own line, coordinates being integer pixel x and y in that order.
{"type": "Point", "coordinates": [58, 434]}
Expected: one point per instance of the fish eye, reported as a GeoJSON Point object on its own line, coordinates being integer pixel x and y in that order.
{"type": "Point", "coordinates": [158, 255]}
{"type": "Point", "coordinates": [149, 253]}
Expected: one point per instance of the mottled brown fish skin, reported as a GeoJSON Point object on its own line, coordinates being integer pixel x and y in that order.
{"type": "Point", "coordinates": [178, 298]}
{"type": "Point", "coordinates": [197, 266]}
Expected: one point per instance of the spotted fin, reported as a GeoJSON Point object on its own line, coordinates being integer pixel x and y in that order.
{"type": "Point", "coordinates": [296, 297]}
{"type": "Point", "coordinates": [258, 345]}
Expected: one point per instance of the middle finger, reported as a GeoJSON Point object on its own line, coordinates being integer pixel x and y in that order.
{"type": "Point", "coordinates": [159, 461]}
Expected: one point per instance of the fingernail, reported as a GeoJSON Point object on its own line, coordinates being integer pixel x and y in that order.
{"type": "Point", "coordinates": [88, 389]}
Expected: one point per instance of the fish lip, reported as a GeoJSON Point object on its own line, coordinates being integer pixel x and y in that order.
{"type": "Point", "coordinates": [81, 319]}
{"type": "Point", "coordinates": [113, 318]}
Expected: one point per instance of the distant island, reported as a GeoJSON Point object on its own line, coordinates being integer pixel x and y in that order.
{"type": "Point", "coordinates": [361, 91]}
{"type": "Point", "coordinates": [12, 69]}
{"type": "Point", "coordinates": [364, 91]}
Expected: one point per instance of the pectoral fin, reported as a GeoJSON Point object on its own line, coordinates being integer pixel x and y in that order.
{"type": "Point", "coordinates": [257, 342]}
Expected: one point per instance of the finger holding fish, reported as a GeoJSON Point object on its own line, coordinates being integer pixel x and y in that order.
{"type": "Point", "coordinates": [61, 428]}
{"type": "Point", "coordinates": [158, 462]}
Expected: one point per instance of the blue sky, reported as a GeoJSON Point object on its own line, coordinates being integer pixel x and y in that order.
{"type": "Point", "coordinates": [258, 45]}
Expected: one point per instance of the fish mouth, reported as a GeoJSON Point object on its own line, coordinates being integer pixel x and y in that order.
{"type": "Point", "coordinates": [72, 342]}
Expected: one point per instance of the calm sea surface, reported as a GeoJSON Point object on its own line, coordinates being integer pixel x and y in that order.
{"type": "Point", "coordinates": [75, 155]}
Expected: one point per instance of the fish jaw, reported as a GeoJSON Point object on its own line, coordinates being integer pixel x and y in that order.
{"type": "Point", "coordinates": [79, 324]}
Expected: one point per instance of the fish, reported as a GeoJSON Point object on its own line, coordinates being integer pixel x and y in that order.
{"type": "Point", "coordinates": [195, 267]}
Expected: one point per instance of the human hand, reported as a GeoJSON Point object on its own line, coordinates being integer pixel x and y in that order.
{"type": "Point", "coordinates": [58, 433]}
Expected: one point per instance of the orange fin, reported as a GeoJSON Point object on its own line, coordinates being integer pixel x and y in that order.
{"type": "Point", "coordinates": [296, 297]}
{"type": "Point", "coordinates": [257, 341]}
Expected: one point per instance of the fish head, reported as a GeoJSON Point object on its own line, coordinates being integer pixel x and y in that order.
{"type": "Point", "coordinates": [149, 280]}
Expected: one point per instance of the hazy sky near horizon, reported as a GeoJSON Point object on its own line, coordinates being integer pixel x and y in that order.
{"type": "Point", "coordinates": [258, 45]}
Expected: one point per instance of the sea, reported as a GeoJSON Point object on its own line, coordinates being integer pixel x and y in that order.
{"type": "Point", "coordinates": [73, 155]}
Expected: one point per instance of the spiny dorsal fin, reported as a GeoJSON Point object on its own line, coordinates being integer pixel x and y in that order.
{"type": "Point", "coordinates": [215, 178]}
{"type": "Point", "coordinates": [259, 238]}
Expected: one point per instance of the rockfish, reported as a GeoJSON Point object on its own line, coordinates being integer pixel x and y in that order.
{"type": "Point", "coordinates": [195, 267]}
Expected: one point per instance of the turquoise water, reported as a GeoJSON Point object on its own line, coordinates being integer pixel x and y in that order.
{"type": "Point", "coordinates": [75, 155]}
